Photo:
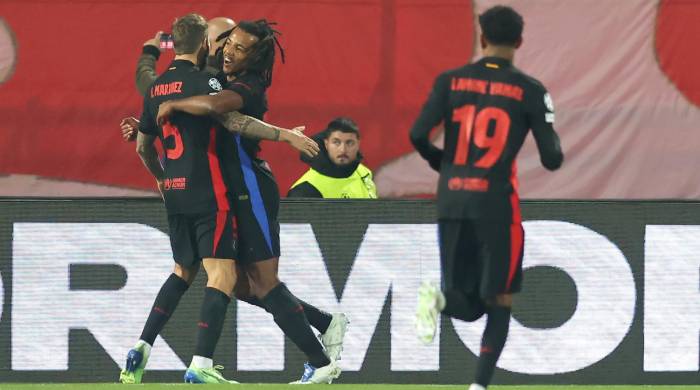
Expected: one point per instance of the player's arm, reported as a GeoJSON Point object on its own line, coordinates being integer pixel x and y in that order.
{"type": "Point", "coordinates": [254, 128]}
{"type": "Point", "coordinates": [429, 117]}
{"type": "Point", "coordinates": [214, 102]}
{"type": "Point", "coordinates": [146, 65]}
{"type": "Point", "coordinates": [147, 132]}
{"type": "Point", "coordinates": [149, 155]}
{"type": "Point", "coordinates": [224, 107]}
{"type": "Point", "coordinates": [541, 118]}
{"type": "Point", "coordinates": [205, 105]}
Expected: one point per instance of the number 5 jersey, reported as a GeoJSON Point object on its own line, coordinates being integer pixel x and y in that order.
{"type": "Point", "coordinates": [193, 178]}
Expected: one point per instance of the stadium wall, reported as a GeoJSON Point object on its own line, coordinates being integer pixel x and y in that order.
{"type": "Point", "coordinates": [610, 293]}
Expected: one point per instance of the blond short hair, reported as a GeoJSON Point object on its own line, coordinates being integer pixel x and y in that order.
{"type": "Point", "coordinates": [189, 32]}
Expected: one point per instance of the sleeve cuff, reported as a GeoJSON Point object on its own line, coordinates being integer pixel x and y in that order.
{"type": "Point", "coordinates": [152, 50]}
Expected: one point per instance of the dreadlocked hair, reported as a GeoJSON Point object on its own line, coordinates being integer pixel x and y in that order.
{"type": "Point", "coordinates": [261, 59]}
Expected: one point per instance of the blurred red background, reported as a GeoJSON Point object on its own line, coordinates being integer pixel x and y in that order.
{"type": "Point", "coordinates": [372, 60]}
{"type": "Point", "coordinates": [74, 80]}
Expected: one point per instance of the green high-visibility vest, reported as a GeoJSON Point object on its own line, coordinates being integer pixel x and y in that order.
{"type": "Point", "coordinates": [359, 185]}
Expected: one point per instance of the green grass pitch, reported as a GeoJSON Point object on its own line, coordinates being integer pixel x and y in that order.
{"type": "Point", "coordinates": [113, 386]}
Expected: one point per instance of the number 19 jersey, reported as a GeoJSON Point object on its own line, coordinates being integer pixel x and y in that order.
{"type": "Point", "coordinates": [193, 178]}
{"type": "Point", "coordinates": [487, 109]}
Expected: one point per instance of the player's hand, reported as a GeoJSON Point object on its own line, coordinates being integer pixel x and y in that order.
{"type": "Point", "coordinates": [165, 110]}
{"type": "Point", "coordinates": [155, 41]}
{"type": "Point", "coordinates": [296, 138]}
{"type": "Point", "coordinates": [130, 128]}
{"type": "Point", "coordinates": [161, 188]}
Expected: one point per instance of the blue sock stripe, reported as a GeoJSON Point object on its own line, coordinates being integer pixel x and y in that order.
{"type": "Point", "coordinates": [251, 181]}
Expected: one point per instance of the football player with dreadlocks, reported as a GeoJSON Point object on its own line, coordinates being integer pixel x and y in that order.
{"type": "Point", "coordinates": [249, 57]}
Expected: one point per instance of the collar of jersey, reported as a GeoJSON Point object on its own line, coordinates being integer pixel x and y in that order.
{"type": "Point", "coordinates": [496, 60]}
{"type": "Point", "coordinates": [182, 63]}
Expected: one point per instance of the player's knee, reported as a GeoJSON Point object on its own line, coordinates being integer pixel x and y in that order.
{"type": "Point", "coordinates": [222, 281]}
{"type": "Point", "coordinates": [221, 274]}
{"type": "Point", "coordinates": [243, 289]}
{"type": "Point", "coordinates": [186, 274]}
{"type": "Point", "coordinates": [504, 300]}
{"type": "Point", "coordinates": [269, 282]}
{"type": "Point", "coordinates": [265, 285]}
{"type": "Point", "coordinates": [263, 278]}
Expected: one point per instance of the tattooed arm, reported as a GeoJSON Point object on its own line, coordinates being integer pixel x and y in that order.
{"type": "Point", "coordinates": [224, 106]}
{"type": "Point", "coordinates": [253, 128]}
{"type": "Point", "coordinates": [249, 127]}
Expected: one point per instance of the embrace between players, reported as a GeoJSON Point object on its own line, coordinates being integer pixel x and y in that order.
{"type": "Point", "coordinates": [487, 109]}
{"type": "Point", "coordinates": [222, 202]}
